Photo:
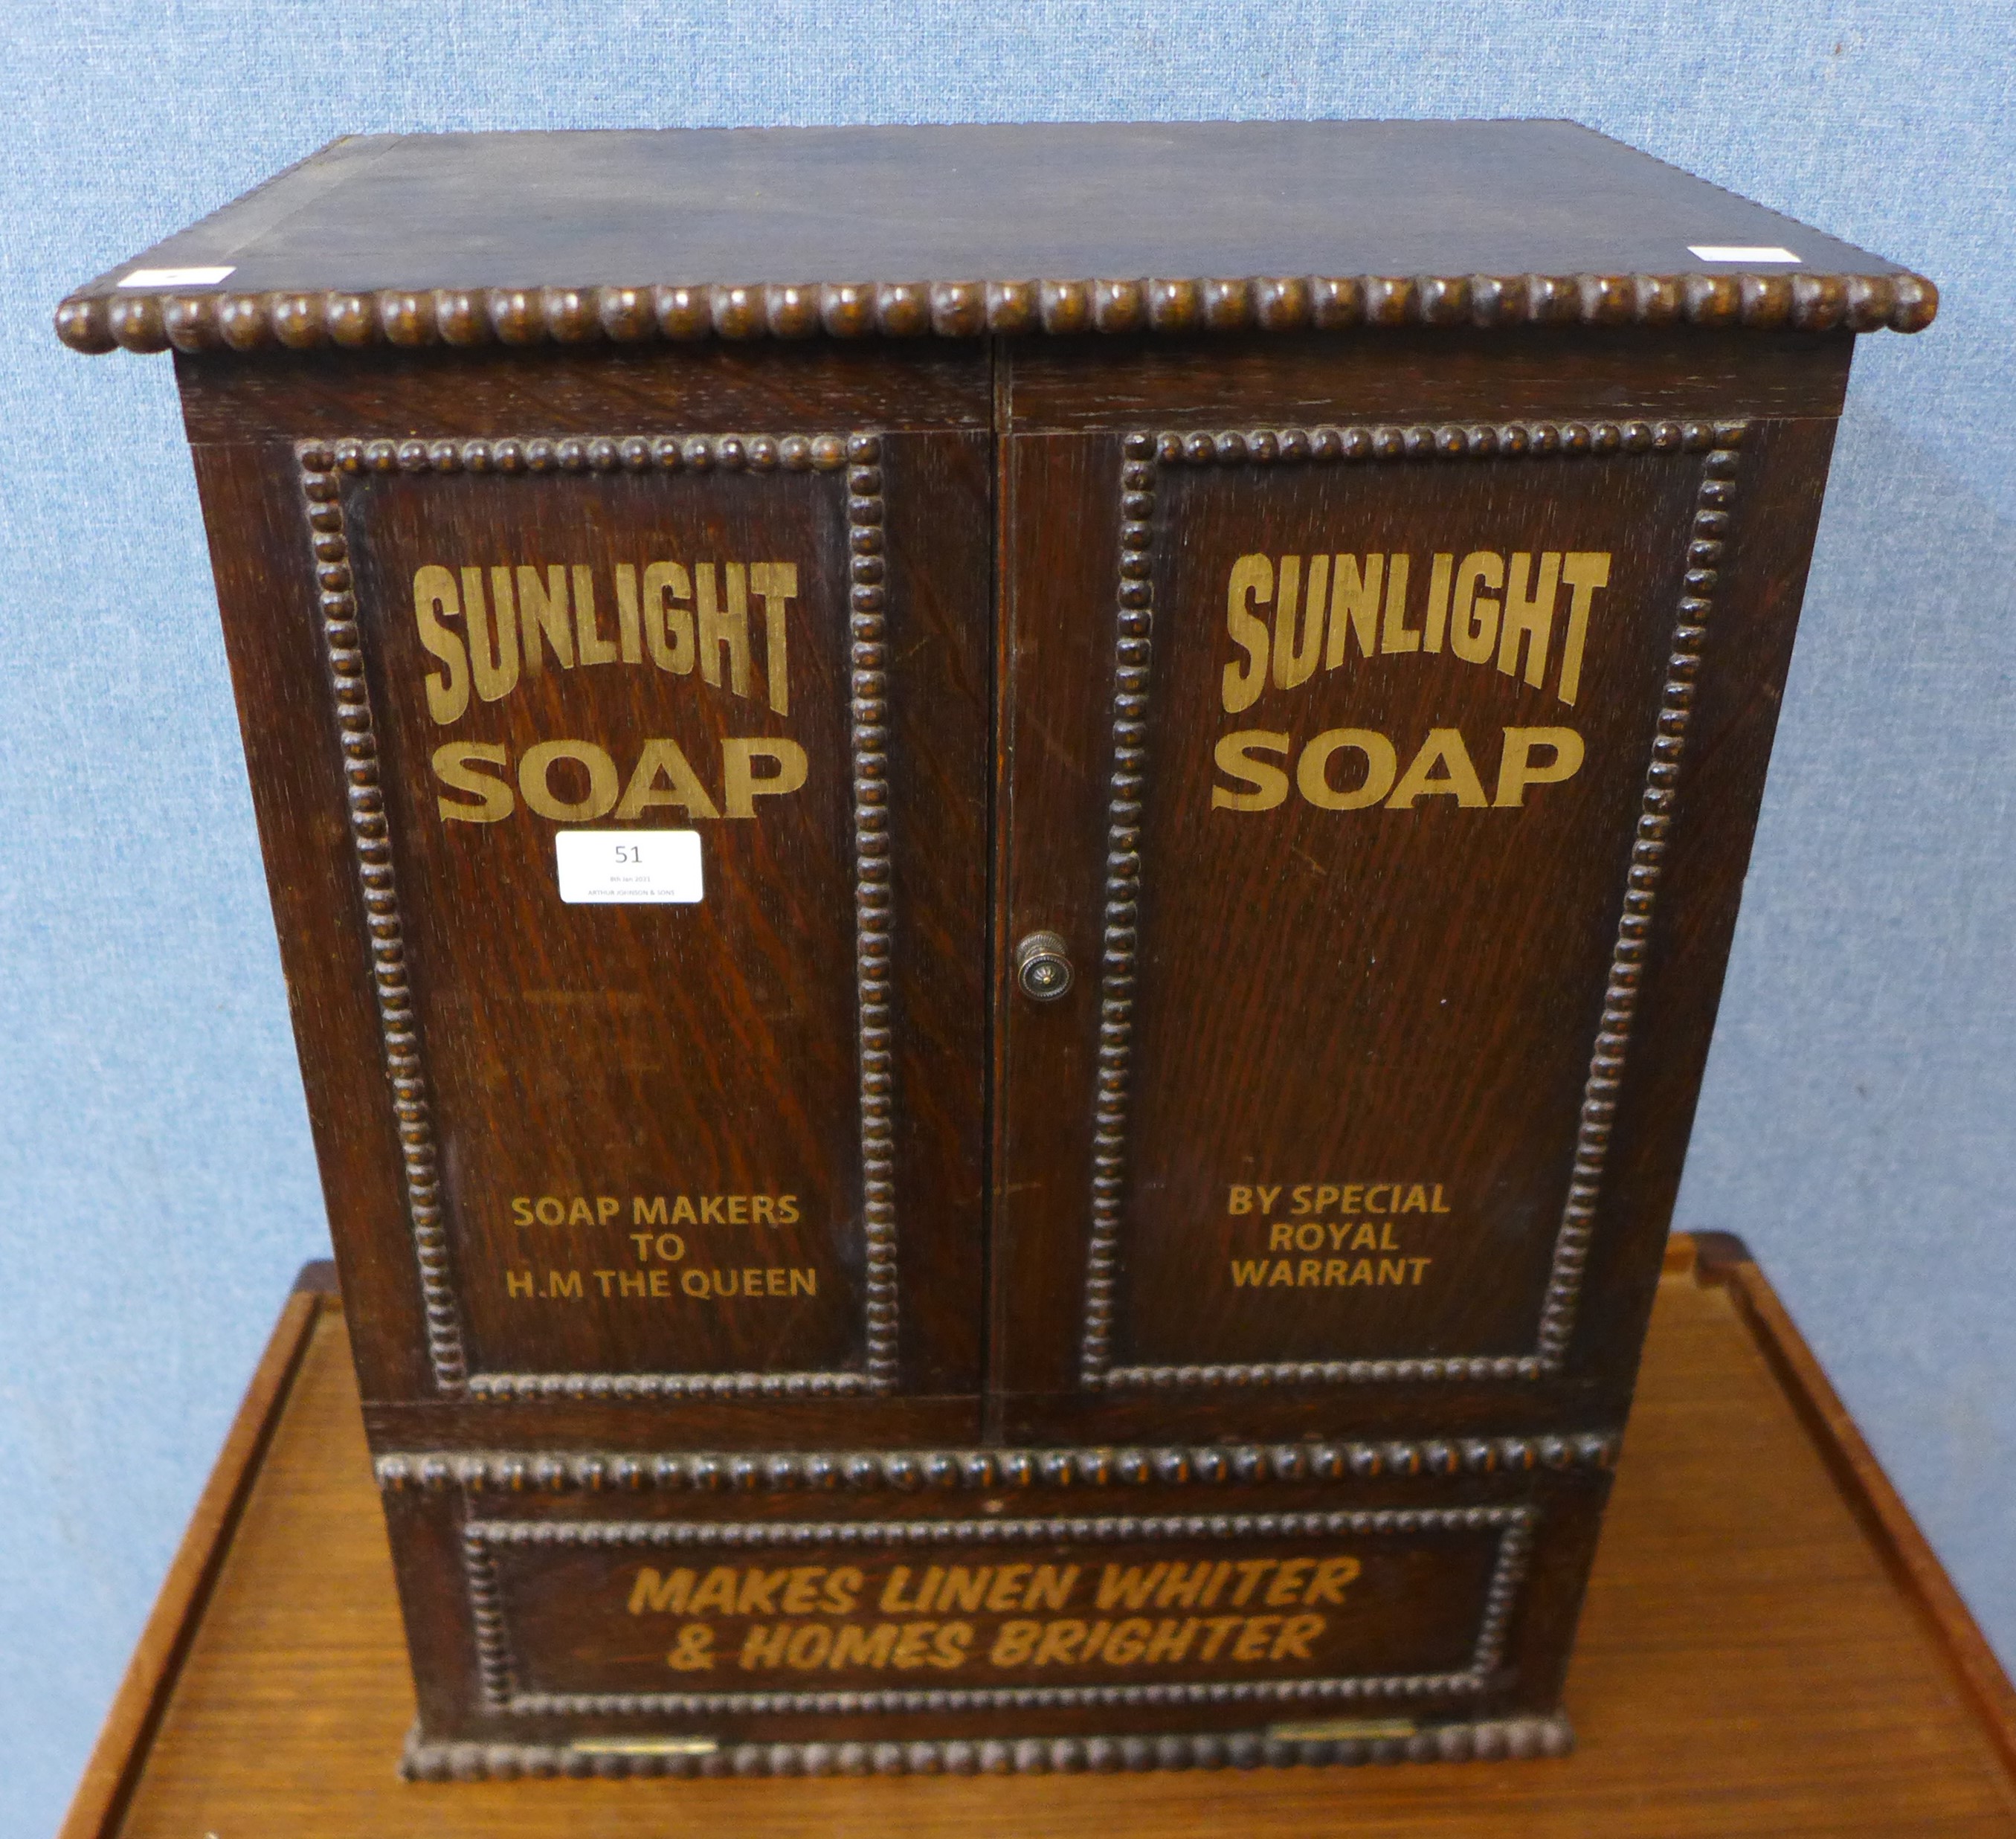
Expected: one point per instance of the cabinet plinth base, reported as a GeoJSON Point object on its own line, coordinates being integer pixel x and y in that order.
{"type": "Point", "coordinates": [1378, 1741]}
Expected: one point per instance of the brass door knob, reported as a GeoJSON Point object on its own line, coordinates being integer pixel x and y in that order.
{"type": "Point", "coordinates": [1042, 968]}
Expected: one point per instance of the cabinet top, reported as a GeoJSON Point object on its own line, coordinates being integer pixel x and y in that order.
{"type": "Point", "coordinates": [683, 233]}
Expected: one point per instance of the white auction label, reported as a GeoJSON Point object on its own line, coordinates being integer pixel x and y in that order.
{"type": "Point", "coordinates": [604, 867]}
{"type": "Point", "coordinates": [1743, 252]}
{"type": "Point", "coordinates": [174, 277]}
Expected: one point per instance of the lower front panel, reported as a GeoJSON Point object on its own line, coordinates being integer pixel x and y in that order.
{"type": "Point", "coordinates": [999, 1609]}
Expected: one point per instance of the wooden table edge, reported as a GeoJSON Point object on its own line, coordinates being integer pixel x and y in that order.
{"type": "Point", "coordinates": [126, 1737]}
{"type": "Point", "coordinates": [1722, 1259]}
{"type": "Point", "coordinates": [1718, 1260]}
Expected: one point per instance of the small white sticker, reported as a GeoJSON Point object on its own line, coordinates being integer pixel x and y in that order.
{"type": "Point", "coordinates": [601, 868]}
{"type": "Point", "coordinates": [1743, 252]}
{"type": "Point", "coordinates": [176, 277]}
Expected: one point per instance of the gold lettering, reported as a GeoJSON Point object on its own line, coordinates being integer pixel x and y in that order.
{"type": "Point", "coordinates": [663, 759]}
{"type": "Point", "coordinates": [741, 786]}
{"type": "Point", "coordinates": [1013, 1643]}
{"type": "Point", "coordinates": [1299, 631]}
{"type": "Point", "coordinates": [1130, 1587]}
{"type": "Point", "coordinates": [1129, 1641]}
{"type": "Point", "coordinates": [1354, 608]}
{"type": "Point", "coordinates": [1443, 748]}
{"type": "Point", "coordinates": [629, 620]}
{"type": "Point", "coordinates": [1312, 770]}
{"type": "Point", "coordinates": [721, 627]}
{"type": "Point", "coordinates": [1252, 581]}
{"type": "Point", "coordinates": [802, 1592]}
{"type": "Point", "coordinates": [1474, 631]}
{"type": "Point", "coordinates": [493, 654]}
{"type": "Point", "coordinates": [893, 1601]}
{"type": "Point", "coordinates": [1007, 1590]}
{"type": "Point", "coordinates": [694, 1653]}
{"type": "Point", "coordinates": [1584, 571]}
{"type": "Point", "coordinates": [1060, 1641]}
{"type": "Point", "coordinates": [913, 1645]}
{"type": "Point", "coordinates": [454, 765]}
{"type": "Point", "coordinates": [764, 1647]}
{"type": "Point", "coordinates": [1396, 635]}
{"type": "Point", "coordinates": [716, 1592]}
{"type": "Point", "coordinates": [758, 1596]}
{"type": "Point", "coordinates": [1297, 1632]}
{"type": "Point", "coordinates": [841, 1590]}
{"type": "Point", "coordinates": [1284, 1589]}
{"type": "Point", "coordinates": [1251, 1571]}
{"type": "Point", "coordinates": [949, 1645]}
{"type": "Point", "coordinates": [1171, 1640]}
{"type": "Point", "coordinates": [590, 647]}
{"type": "Point", "coordinates": [774, 584]}
{"type": "Point", "coordinates": [1529, 620]}
{"type": "Point", "coordinates": [1516, 770]}
{"type": "Point", "coordinates": [1051, 1587]}
{"type": "Point", "coordinates": [664, 1595]}
{"type": "Point", "coordinates": [1233, 756]}
{"type": "Point", "coordinates": [668, 620]}
{"type": "Point", "coordinates": [1256, 1638]}
{"type": "Point", "coordinates": [1180, 1587]}
{"type": "Point", "coordinates": [1333, 1576]}
{"type": "Point", "coordinates": [434, 599]}
{"type": "Point", "coordinates": [964, 1590]}
{"type": "Point", "coordinates": [808, 1647]}
{"type": "Point", "coordinates": [533, 786]}
{"type": "Point", "coordinates": [1436, 624]}
{"type": "Point", "coordinates": [1219, 1626]}
{"type": "Point", "coordinates": [855, 1647]}
{"type": "Point", "coordinates": [542, 613]}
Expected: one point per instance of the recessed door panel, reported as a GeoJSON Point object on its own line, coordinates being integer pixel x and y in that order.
{"type": "Point", "coordinates": [1375, 743]}
{"type": "Point", "coordinates": [671, 840]}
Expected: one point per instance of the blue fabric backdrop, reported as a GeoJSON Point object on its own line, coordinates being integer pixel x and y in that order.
{"type": "Point", "coordinates": [156, 1189]}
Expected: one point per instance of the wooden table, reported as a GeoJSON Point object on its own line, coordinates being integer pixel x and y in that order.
{"type": "Point", "coordinates": [1770, 1648]}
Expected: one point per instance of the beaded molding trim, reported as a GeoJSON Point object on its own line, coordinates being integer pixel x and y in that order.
{"type": "Point", "coordinates": [910, 1471]}
{"type": "Point", "coordinates": [1483, 1739]}
{"type": "Point", "coordinates": [521, 316]}
{"type": "Point", "coordinates": [323, 464]}
{"type": "Point", "coordinates": [497, 1668]}
{"type": "Point", "coordinates": [1133, 645]}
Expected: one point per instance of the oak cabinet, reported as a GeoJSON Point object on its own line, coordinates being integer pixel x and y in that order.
{"type": "Point", "coordinates": [1001, 973]}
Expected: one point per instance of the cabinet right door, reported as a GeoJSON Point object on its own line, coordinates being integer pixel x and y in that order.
{"type": "Point", "coordinates": [1344, 756]}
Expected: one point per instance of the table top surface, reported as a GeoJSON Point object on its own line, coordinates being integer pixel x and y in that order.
{"type": "Point", "coordinates": [976, 203]}
{"type": "Point", "coordinates": [1755, 1658]}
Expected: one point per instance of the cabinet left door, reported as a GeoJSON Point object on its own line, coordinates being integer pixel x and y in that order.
{"type": "Point", "coordinates": [621, 773]}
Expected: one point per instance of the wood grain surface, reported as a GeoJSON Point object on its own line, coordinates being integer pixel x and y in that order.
{"type": "Point", "coordinates": [991, 202]}
{"type": "Point", "coordinates": [1756, 1659]}
{"type": "Point", "coordinates": [612, 1118]}
{"type": "Point", "coordinates": [1504, 1011]}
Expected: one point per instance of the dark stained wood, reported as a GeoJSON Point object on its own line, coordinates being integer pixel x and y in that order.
{"type": "Point", "coordinates": [1189, 1036]}
{"type": "Point", "coordinates": [976, 203]}
{"type": "Point", "coordinates": [725, 1037]}
{"type": "Point", "coordinates": [1752, 1662]}
{"type": "Point", "coordinates": [1448, 952]}
{"type": "Point", "coordinates": [392, 394]}
{"type": "Point", "coordinates": [1415, 375]}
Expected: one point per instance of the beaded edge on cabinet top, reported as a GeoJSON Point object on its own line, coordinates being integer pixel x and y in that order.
{"type": "Point", "coordinates": [156, 320]}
